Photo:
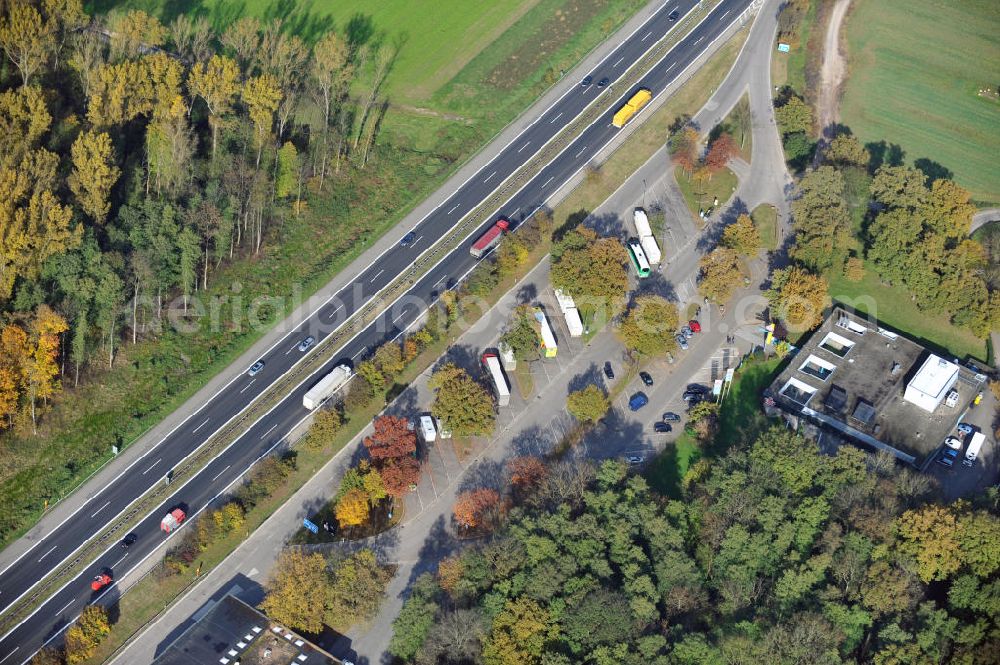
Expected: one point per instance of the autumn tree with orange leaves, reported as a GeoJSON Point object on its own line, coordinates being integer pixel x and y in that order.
{"type": "Point", "coordinates": [399, 474]}
{"type": "Point", "coordinates": [526, 471]}
{"type": "Point", "coordinates": [352, 508]}
{"type": "Point", "coordinates": [472, 508]}
{"type": "Point", "coordinates": [391, 439]}
{"type": "Point", "coordinates": [720, 152]}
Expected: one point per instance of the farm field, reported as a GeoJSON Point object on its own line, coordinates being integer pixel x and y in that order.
{"type": "Point", "coordinates": [916, 67]}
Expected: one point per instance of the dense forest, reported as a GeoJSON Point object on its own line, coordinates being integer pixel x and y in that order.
{"type": "Point", "coordinates": [139, 162]}
{"type": "Point", "coordinates": [775, 554]}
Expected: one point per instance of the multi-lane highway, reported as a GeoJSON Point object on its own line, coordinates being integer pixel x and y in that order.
{"type": "Point", "coordinates": [65, 604]}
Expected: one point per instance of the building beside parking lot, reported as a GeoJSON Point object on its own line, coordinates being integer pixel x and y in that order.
{"type": "Point", "coordinates": [855, 380]}
{"type": "Point", "coordinates": [231, 632]}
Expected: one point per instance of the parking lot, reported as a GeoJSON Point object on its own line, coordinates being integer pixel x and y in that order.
{"type": "Point", "coordinates": [959, 480]}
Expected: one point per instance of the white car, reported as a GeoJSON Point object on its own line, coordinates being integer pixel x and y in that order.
{"type": "Point", "coordinates": [953, 443]}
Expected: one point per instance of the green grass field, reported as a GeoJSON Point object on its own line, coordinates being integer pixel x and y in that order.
{"type": "Point", "coordinates": [438, 38]}
{"type": "Point", "coordinates": [916, 67]}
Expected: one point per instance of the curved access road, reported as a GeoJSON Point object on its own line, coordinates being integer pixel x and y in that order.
{"type": "Point", "coordinates": [267, 433]}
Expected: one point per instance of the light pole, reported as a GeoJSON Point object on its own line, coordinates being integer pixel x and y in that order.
{"type": "Point", "coordinates": [643, 193]}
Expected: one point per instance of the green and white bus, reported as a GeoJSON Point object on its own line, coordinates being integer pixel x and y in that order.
{"type": "Point", "coordinates": [638, 257]}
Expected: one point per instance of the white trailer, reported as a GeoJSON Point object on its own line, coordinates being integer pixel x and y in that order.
{"type": "Point", "coordinates": [500, 387]}
{"type": "Point", "coordinates": [573, 322]}
{"type": "Point", "coordinates": [327, 386]}
{"type": "Point", "coordinates": [972, 452]}
{"type": "Point", "coordinates": [427, 430]}
{"type": "Point", "coordinates": [651, 249]}
{"type": "Point", "coordinates": [641, 222]}
{"type": "Point", "coordinates": [565, 301]}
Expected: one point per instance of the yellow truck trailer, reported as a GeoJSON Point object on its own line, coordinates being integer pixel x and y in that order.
{"type": "Point", "coordinates": [632, 106]}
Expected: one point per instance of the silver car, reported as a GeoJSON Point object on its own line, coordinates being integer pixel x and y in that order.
{"type": "Point", "coordinates": [255, 368]}
{"type": "Point", "coordinates": [306, 343]}
{"type": "Point", "coordinates": [682, 341]}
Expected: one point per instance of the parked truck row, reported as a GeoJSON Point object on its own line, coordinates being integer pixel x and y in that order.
{"type": "Point", "coordinates": [572, 315]}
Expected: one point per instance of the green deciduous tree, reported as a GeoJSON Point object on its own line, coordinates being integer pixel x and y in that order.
{"type": "Point", "coordinates": [94, 174]}
{"type": "Point", "coordinates": [298, 593]}
{"type": "Point", "coordinates": [798, 297]}
{"type": "Point", "coordinates": [821, 219]}
{"type": "Point", "coordinates": [588, 404]}
{"type": "Point", "coordinates": [591, 269]}
{"type": "Point", "coordinates": [742, 236]}
{"type": "Point", "coordinates": [461, 403]}
{"type": "Point", "coordinates": [647, 329]}
{"type": "Point", "coordinates": [83, 637]}
{"type": "Point", "coordinates": [794, 116]}
{"type": "Point", "coordinates": [719, 274]}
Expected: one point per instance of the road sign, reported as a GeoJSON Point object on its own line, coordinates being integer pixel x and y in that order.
{"type": "Point", "coordinates": [784, 48]}
{"type": "Point", "coordinates": [309, 525]}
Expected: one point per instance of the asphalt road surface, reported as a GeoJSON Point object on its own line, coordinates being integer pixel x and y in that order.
{"type": "Point", "coordinates": [65, 605]}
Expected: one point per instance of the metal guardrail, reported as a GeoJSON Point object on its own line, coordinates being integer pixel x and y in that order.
{"type": "Point", "coordinates": [328, 348]}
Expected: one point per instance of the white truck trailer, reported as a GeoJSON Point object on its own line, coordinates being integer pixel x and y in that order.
{"type": "Point", "coordinates": [327, 386]}
{"type": "Point", "coordinates": [972, 452]}
{"type": "Point", "coordinates": [500, 387]}
{"type": "Point", "coordinates": [568, 308]}
{"type": "Point", "coordinates": [641, 221]}
{"type": "Point", "coordinates": [651, 249]}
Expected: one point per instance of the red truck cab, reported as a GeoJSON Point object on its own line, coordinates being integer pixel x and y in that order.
{"type": "Point", "coordinates": [172, 520]}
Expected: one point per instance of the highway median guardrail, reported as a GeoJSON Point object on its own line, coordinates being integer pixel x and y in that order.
{"type": "Point", "coordinates": [329, 348]}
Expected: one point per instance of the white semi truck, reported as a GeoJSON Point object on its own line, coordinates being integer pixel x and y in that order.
{"type": "Point", "coordinates": [500, 387]}
{"type": "Point", "coordinates": [645, 234]}
{"type": "Point", "coordinates": [972, 452]}
{"type": "Point", "coordinates": [327, 386]}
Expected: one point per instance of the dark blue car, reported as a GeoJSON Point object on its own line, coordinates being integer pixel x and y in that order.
{"type": "Point", "coordinates": [637, 401]}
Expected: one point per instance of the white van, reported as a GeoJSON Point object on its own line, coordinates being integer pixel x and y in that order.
{"type": "Point", "coordinates": [427, 430]}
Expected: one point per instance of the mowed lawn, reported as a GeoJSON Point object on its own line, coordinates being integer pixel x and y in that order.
{"type": "Point", "coordinates": [915, 70]}
{"type": "Point", "coordinates": [438, 37]}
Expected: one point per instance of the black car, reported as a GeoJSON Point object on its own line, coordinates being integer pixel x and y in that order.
{"type": "Point", "coordinates": [662, 428]}
{"type": "Point", "coordinates": [587, 80]}
{"type": "Point", "coordinates": [603, 82]}
{"type": "Point", "coordinates": [692, 397]}
{"type": "Point", "coordinates": [608, 372]}
{"type": "Point", "coordinates": [697, 388]}
{"type": "Point", "coordinates": [674, 15]}
{"type": "Point", "coordinates": [128, 541]}
{"type": "Point", "coordinates": [671, 417]}
{"type": "Point", "coordinates": [646, 378]}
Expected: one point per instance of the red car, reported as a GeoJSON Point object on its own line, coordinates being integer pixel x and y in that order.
{"type": "Point", "coordinates": [694, 326]}
{"type": "Point", "coordinates": [100, 582]}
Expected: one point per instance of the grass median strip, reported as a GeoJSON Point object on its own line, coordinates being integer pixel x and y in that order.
{"type": "Point", "coordinates": [328, 348]}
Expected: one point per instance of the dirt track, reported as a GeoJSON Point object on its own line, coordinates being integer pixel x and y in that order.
{"type": "Point", "coordinates": [833, 70]}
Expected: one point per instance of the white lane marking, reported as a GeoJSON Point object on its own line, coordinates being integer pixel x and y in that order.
{"type": "Point", "coordinates": [523, 147]}
{"type": "Point", "coordinates": [398, 318]}
{"type": "Point", "coordinates": [555, 118]}
{"type": "Point", "coordinates": [47, 553]}
{"type": "Point", "coordinates": [648, 35]}
{"type": "Point", "coordinates": [94, 514]}
{"type": "Point", "coordinates": [10, 654]}
{"type": "Point", "coordinates": [582, 150]}
{"type": "Point", "coordinates": [489, 177]}
{"type": "Point", "coordinates": [416, 241]}
{"type": "Point", "coordinates": [355, 356]}
{"type": "Point", "coordinates": [724, 15]}
{"type": "Point", "coordinates": [65, 606]}
{"type": "Point", "coordinates": [516, 211]}
{"type": "Point", "coordinates": [264, 435]}
{"type": "Point", "coordinates": [672, 65]}
{"type": "Point", "coordinates": [551, 178]}
{"type": "Point", "coordinates": [453, 209]}
{"type": "Point", "coordinates": [151, 467]}
{"type": "Point", "coordinates": [443, 277]}
{"type": "Point", "coordinates": [247, 386]}
{"type": "Point", "coordinates": [619, 61]}
{"type": "Point", "coordinates": [195, 431]}
{"type": "Point", "coordinates": [372, 280]}
{"type": "Point", "coordinates": [698, 42]}
{"type": "Point", "coordinates": [223, 471]}
{"type": "Point", "coordinates": [118, 562]}
{"type": "Point", "coordinates": [339, 307]}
